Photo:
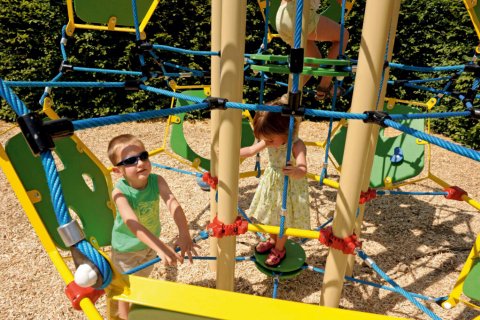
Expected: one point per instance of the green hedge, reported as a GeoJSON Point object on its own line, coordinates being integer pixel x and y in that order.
{"type": "Point", "coordinates": [430, 33]}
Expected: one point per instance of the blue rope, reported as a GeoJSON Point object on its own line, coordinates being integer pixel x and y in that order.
{"type": "Point", "coordinates": [275, 287]}
{"type": "Point", "coordinates": [372, 284]}
{"type": "Point", "coordinates": [285, 179]}
{"type": "Point", "coordinates": [425, 69]}
{"type": "Point", "coordinates": [144, 115]}
{"type": "Point", "coordinates": [458, 149]}
{"type": "Point", "coordinates": [197, 174]}
{"type": "Point", "coordinates": [12, 99]}
{"type": "Point", "coordinates": [63, 217]}
{"type": "Point", "coordinates": [184, 51]}
{"type": "Point", "coordinates": [400, 290]}
{"type": "Point", "coordinates": [64, 84]}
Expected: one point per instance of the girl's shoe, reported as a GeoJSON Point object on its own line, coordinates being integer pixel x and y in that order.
{"type": "Point", "coordinates": [325, 93]}
{"type": "Point", "coordinates": [264, 246]}
{"type": "Point", "coordinates": [275, 257]}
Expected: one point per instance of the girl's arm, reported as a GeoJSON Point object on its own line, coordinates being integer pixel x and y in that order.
{"type": "Point", "coordinates": [184, 240]}
{"type": "Point", "coordinates": [246, 152]}
{"type": "Point", "coordinates": [299, 151]}
{"type": "Point", "coordinates": [165, 252]}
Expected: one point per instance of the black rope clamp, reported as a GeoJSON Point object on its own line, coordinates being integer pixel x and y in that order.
{"type": "Point", "coordinates": [142, 46]}
{"type": "Point", "coordinates": [475, 113]}
{"type": "Point", "coordinates": [132, 85]}
{"type": "Point", "coordinates": [293, 108]}
{"type": "Point", "coordinates": [295, 60]}
{"type": "Point", "coordinates": [216, 103]}
{"type": "Point", "coordinates": [40, 135]}
{"type": "Point", "coordinates": [65, 68]}
{"type": "Point", "coordinates": [473, 68]}
{"type": "Point", "coordinates": [377, 117]}
{"type": "Point", "coordinates": [469, 97]}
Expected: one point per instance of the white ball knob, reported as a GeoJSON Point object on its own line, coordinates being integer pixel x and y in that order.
{"type": "Point", "coordinates": [85, 276]}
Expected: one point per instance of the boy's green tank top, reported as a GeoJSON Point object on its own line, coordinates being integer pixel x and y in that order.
{"type": "Point", "coordinates": [145, 203]}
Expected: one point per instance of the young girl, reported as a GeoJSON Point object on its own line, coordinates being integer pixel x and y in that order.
{"type": "Point", "coordinates": [272, 130]}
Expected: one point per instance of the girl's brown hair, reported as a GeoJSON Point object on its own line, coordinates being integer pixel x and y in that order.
{"type": "Point", "coordinates": [267, 123]}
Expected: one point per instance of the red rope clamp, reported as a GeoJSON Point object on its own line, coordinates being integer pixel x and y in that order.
{"type": "Point", "coordinates": [346, 245]}
{"type": "Point", "coordinates": [211, 181]}
{"type": "Point", "coordinates": [219, 229]}
{"type": "Point", "coordinates": [455, 193]}
{"type": "Point", "coordinates": [368, 195]}
{"type": "Point", "coordinates": [76, 293]}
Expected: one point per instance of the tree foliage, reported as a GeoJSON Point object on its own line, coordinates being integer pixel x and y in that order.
{"type": "Point", "coordinates": [430, 33]}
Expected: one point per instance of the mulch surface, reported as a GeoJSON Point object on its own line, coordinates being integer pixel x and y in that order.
{"type": "Point", "coordinates": [421, 242]}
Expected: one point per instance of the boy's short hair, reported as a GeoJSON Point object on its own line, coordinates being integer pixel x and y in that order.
{"type": "Point", "coordinates": [119, 142]}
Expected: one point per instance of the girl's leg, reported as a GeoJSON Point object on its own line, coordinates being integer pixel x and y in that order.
{"type": "Point", "coordinates": [280, 244]}
{"type": "Point", "coordinates": [329, 30]}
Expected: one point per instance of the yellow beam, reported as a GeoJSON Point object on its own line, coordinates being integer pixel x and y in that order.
{"type": "Point", "coordinates": [220, 304]}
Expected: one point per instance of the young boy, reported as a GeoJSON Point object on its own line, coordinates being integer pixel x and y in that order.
{"type": "Point", "coordinates": [137, 225]}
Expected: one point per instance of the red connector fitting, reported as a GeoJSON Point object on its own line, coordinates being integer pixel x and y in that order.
{"type": "Point", "coordinates": [76, 293]}
{"type": "Point", "coordinates": [218, 229]}
{"type": "Point", "coordinates": [346, 245]}
{"type": "Point", "coordinates": [368, 195]}
{"type": "Point", "coordinates": [455, 193]}
{"type": "Point", "coordinates": [211, 181]}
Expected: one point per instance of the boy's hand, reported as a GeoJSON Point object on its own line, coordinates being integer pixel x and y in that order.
{"type": "Point", "coordinates": [169, 256]}
{"type": "Point", "coordinates": [187, 246]}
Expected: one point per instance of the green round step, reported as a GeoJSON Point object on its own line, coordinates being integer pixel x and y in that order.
{"type": "Point", "coordinates": [289, 267]}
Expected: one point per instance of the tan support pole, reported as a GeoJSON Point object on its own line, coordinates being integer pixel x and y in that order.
{"type": "Point", "coordinates": [214, 118]}
{"type": "Point", "coordinates": [376, 26]}
{"type": "Point", "coordinates": [375, 129]}
{"type": "Point", "coordinates": [231, 87]}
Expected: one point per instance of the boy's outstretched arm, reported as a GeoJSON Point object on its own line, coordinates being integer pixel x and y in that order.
{"type": "Point", "coordinates": [184, 240]}
{"type": "Point", "coordinates": [165, 252]}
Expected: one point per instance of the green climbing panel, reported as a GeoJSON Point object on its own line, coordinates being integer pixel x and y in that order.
{"type": "Point", "coordinates": [101, 11]}
{"type": "Point", "coordinates": [413, 152]}
{"type": "Point", "coordinates": [79, 171]}
{"type": "Point", "coordinates": [179, 144]}
{"type": "Point", "coordinates": [290, 267]}
{"type": "Point", "coordinates": [471, 286]}
{"type": "Point", "coordinates": [326, 67]}
{"type": "Point", "coordinates": [138, 312]}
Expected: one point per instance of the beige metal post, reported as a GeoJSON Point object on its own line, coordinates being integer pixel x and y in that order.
{"type": "Point", "coordinates": [376, 26]}
{"type": "Point", "coordinates": [375, 129]}
{"type": "Point", "coordinates": [231, 87]}
{"type": "Point", "coordinates": [214, 118]}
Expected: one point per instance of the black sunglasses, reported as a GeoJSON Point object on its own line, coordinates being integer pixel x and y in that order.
{"type": "Point", "coordinates": [133, 160]}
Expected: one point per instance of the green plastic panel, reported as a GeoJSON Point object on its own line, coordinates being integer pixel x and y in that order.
{"type": "Point", "coordinates": [138, 312]}
{"type": "Point", "coordinates": [471, 286]}
{"type": "Point", "coordinates": [78, 171]}
{"type": "Point", "coordinates": [179, 144]}
{"type": "Point", "coordinates": [314, 71]}
{"type": "Point", "coordinates": [289, 267]}
{"type": "Point", "coordinates": [308, 60]}
{"type": "Point", "coordinates": [100, 11]}
{"type": "Point", "coordinates": [414, 153]}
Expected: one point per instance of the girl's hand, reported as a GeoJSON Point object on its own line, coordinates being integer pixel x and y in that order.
{"type": "Point", "coordinates": [294, 172]}
{"type": "Point", "coordinates": [187, 246]}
